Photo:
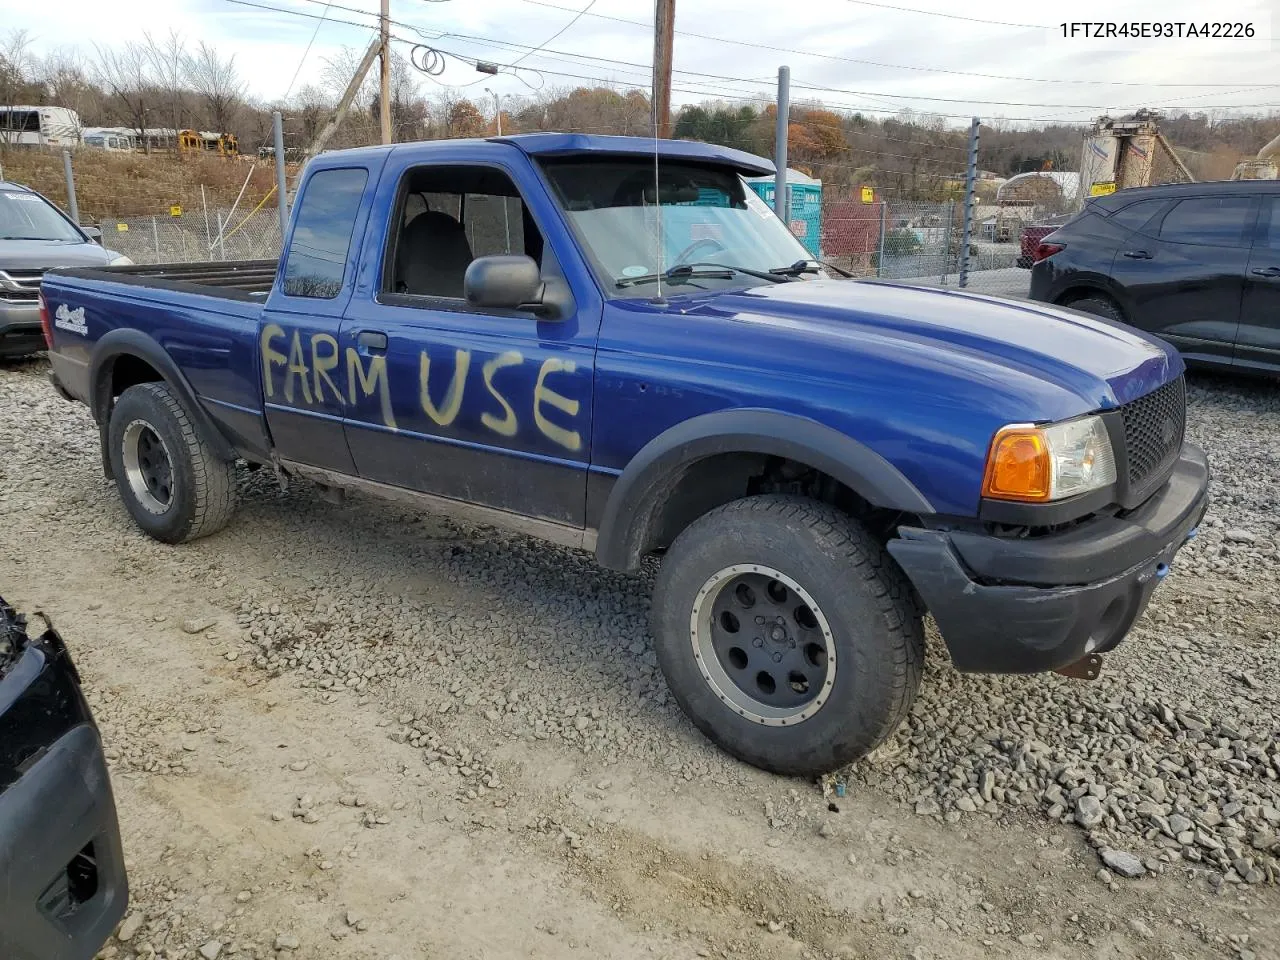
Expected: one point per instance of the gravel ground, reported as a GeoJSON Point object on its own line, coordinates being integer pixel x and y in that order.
{"type": "Point", "coordinates": [351, 731]}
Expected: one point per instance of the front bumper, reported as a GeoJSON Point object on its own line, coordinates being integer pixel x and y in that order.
{"type": "Point", "coordinates": [1029, 605]}
{"type": "Point", "coordinates": [20, 331]}
{"type": "Point", "coordinates": [62, 875]}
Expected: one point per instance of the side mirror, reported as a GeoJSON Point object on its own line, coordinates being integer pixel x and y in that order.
{"type": "Point", "coordinates": [93, 233]}
{"type": "Point", "coordinates": [513, 282]}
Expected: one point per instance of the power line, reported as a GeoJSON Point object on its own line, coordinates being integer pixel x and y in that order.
{"type": "Point", "coordinates": [949, 16]}
{"type": "Point", "coordinates": [303, 59]}
{"type": "Point", "coordinates": [735, 94]}
{"type": "Point", "coordinates": [543, 50]}
{"type": "Point", "coordinates": [576, 17]}
{"type": "Point", "coordinates": [877, 63]}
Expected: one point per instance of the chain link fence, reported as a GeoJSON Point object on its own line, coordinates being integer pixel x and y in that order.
{"type": "Point", "coordinates": [903, 240]}
{"type": "Point", "coordinates": [921, 242]}
{"type": "Point", "coordinates": [218, 234]}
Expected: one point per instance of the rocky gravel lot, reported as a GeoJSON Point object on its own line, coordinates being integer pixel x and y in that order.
{"type": "Point", "coordinates": [350, 731]}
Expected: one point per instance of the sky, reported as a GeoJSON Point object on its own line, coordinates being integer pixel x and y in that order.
{"type": "Point", "coordinates": [931, 56]}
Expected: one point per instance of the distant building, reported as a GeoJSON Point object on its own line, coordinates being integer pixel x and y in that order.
{"type": "Point", "coordinates": [1040, 185]}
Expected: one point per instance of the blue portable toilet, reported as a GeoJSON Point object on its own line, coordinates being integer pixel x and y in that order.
{"type": "Point", "coordinates": [805, 207]}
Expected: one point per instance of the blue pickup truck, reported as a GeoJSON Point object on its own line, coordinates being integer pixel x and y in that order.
{"type": "Point", "coordinates": [615, 345]}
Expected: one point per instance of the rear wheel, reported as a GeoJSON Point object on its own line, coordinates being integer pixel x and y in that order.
{"type": "Point", "coordinates": [1099, 306]}
{"type": "Point", "coordinates": [787, 634]}
{"type": "Point", "coordinates": [173, 485]}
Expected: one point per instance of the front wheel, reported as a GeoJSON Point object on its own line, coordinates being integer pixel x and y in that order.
{"type": "Point", "coordinates": [172, 483]}
{"type": "Point", "coordinates": [787, 634]}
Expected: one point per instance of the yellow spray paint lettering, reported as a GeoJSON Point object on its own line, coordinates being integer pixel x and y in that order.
{"type": "Point", "coordinates": [505, 426]}
{"type": "Point", "coordinates": [569, 439]}
{"type": "Point", "coordinates": [375, 378]}
{"type": "Point", "coordinates": [270, 356]}
{"type": "Point", "coordinates": [297, 369]}
{"type": "Point", "coordinates": [322, 363]}
{"type": "Point", "coordinates": [447, 412]}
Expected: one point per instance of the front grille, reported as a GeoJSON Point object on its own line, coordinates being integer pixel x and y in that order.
{"type": "Point", "coordinates": [21, 286]}
{"type": "Point", "coordinates": [1153, 429]}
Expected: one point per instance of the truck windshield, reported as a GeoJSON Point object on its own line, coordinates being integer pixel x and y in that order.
{"type": "Point", "coordinates": [708, 217]}
{"type": "Point", "coordinates": [28, 216]}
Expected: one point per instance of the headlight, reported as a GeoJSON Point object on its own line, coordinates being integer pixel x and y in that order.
{"type": "Point", "coordinates": [120, 261]}
{"type": "Point", "coordinates": [1040, 464]}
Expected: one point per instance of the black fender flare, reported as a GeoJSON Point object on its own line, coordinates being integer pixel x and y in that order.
{"type": "Point", "coordinates": [642, 487]}
{"type": "Point", "coordinates": [135, 343]}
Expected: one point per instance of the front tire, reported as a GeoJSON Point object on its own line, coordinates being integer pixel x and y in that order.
{"type": "Point", "coordinates": [787, 634]}
{"type": "Point", "coordinates": [173, 485]}
{"type": "Point", "coordinates": [1099, 306]}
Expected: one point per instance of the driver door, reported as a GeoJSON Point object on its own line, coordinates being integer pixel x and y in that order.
{"type": "Point", "coordinates": [491, 407]}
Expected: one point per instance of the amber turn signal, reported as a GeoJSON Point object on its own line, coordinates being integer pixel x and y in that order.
{"type": "Point", "coordinates": [1018, 466]}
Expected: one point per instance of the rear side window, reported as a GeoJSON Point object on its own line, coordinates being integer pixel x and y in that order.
{"type": "Point", "coordinates": [1270, 227]}
{"type": "Point", "coordinates": [322, 231]}
{"type": "Point", "coordinates": [1209, 221]}
{"type": "Point", "coordinates": [1136, 215]}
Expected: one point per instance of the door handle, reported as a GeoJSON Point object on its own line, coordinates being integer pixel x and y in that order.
{"type": "Point", "coordinates": [1137, 255]}
{"type": "Point", "coordinates": [1266, 271]}
{"type": "Point", "coordinates": [372, 340]}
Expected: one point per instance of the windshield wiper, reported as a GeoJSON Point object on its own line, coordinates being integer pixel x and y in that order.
{"type": "Point", "coordinates": [699, 271]}
{"type": "Point", "coordinates": [809, 266]}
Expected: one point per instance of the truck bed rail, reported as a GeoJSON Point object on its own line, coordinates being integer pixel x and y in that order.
{"type": "Point", "coordinates": [232, 279]}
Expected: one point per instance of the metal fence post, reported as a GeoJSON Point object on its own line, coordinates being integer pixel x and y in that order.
{"type": "Point", "coordinates": [884, 218]}
{"type": "Point", "coordinates": [72, 206]}
{"type": "Point", "coordinates": [282, 200]}
{"type": "Point", "coordinates": [780, 146]}
{"type": "Point", "coordinates": [946, 241]}
{"type": "Point", "coordinates": [221, 241]}
{"type": "Point", "coordinates": [155, 235]}
{"type": "Point", "coordinates": [208, 234]}
{"type": "Point", "coordinates": [970, 178]}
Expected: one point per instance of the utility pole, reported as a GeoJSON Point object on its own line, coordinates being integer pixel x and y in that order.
{"type": "Point", "coordinates": [282, 195]}
{"type": "Point", "coordinates": [664, 27]}
{"type": "Point", "coordinates": [344, 102]}
{"type": "Point", "coordinates": [780, 146]}
{"type": "Point", "coordinates": [384, 97]}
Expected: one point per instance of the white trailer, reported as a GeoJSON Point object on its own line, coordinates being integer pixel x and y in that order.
{"type": "Point", "coordinates": [39, 126]}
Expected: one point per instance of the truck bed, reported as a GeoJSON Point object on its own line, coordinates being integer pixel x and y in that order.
{"type": "Point", "coordinates": [232, 279]}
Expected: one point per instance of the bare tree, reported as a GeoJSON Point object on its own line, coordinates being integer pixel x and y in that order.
{"type": "Point", "coordinates": [218, 83]}
{"type": "Point", "coordinates": [15, 66]}
{"type": "Point", "coordinates": [408, 112]}
{"type": "Point", "coordinates": [167, 63]}
{"type": "Point", "coordinates": [125, 72]}
{"type": "Point", "coordinates": [360, 123]}
{"type": "Point", "coordinates": [67, 83]}
{"type": "Point", "coordinates": [310, 108]}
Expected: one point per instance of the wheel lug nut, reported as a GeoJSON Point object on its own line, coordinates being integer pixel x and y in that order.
{"type": "Point", "coordinates": [759, 619]}
{"type": "Point", "coordinates": [777, 658]}
{"type": "Point", "coordinates": [758, 642]}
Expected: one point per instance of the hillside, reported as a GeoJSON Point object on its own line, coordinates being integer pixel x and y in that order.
{"type": "Point", "coordinates": [135, 185]}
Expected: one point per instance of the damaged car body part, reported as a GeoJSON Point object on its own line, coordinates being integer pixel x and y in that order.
{"type": "Point", "coordinates": [62, 879]}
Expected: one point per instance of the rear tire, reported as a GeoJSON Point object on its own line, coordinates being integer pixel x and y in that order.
{"type": "Point", "coordinates": [1099, 306]}
{"type": "Point", "coordinates": [787, 634]}
{"type": "Point", "coordinates": [173, 485]}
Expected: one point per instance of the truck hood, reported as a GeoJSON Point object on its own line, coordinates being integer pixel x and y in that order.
{"type": "Point", "coordinates": [1101, 363]}
{"type": "Point", "coordinates": [47, 254]}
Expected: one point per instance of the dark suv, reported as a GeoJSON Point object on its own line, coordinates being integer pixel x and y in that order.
{"type": "Point", "coordinates": [1197, 264]}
